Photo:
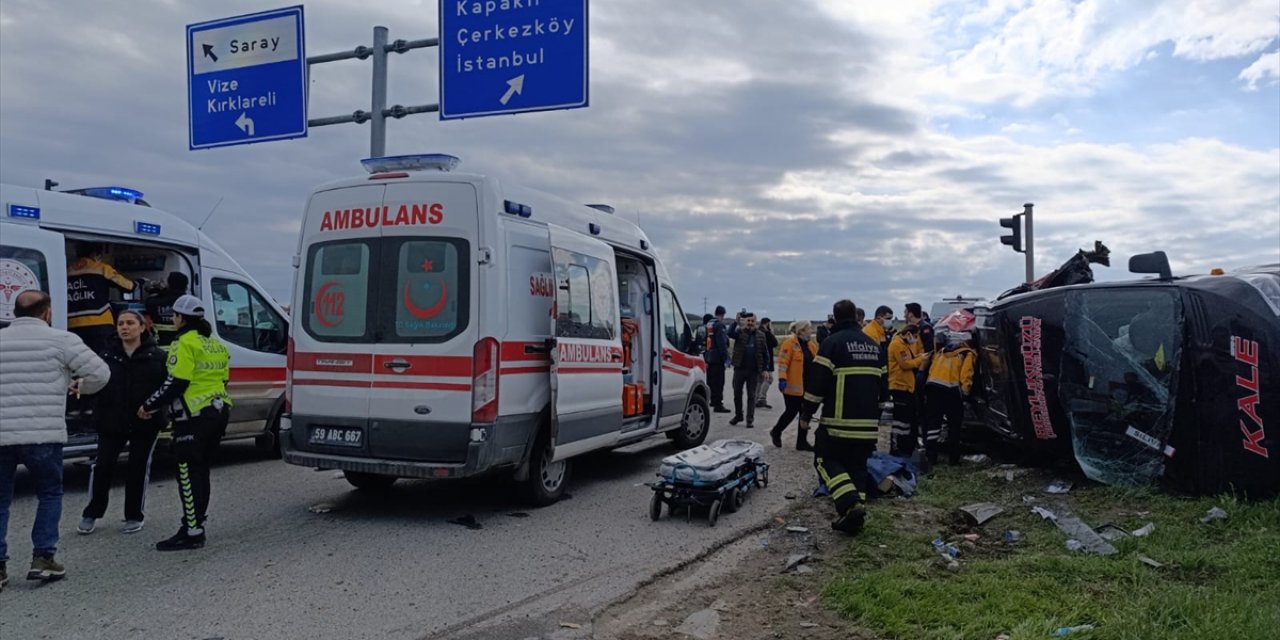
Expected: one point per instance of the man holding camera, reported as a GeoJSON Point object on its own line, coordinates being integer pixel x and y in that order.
{"type": "Point", "coordinates": [751, 357]}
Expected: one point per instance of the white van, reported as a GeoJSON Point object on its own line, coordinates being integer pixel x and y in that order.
{"type": "Point", "coordinates": [449, 325]}
{"type": "Point", "coordinates": [41, 229]}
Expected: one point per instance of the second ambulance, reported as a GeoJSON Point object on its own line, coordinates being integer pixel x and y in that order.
{"type": "Point", "coordinates": [449, 325]}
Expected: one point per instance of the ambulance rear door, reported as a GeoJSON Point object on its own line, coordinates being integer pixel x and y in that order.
{"type": "Point", "coordinates": [334, 327]}
{"type": "Point", "coordinates": [427, 323]}
{"type": "Point", "coordinates": [586, 363]}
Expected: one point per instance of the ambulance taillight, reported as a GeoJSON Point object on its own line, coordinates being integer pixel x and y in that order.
{"type": "Point", "coordinates": [484, 381]}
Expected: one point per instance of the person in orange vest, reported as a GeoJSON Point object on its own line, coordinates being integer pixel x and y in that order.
{"type": "Point", "coordinates": [794, 356]}
{"type": "Point", "coordinates": [950, 380]}
{"type": "Point", "coordinates": [906, 357]}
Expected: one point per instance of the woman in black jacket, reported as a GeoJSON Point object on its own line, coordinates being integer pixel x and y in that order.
{"type": "Point", "coordinates": [137, 370]}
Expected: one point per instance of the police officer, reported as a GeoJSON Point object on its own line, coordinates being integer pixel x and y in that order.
{"type": "Point", "coordinates": [844, 380]}
{"type": "Point", "coordinates": [196, 392]}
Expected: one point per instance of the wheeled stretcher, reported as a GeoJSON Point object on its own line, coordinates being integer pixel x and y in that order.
{"type": "Point", "coordinates": [717, 476]}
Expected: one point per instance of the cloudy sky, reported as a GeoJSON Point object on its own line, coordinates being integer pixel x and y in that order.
{"type": "Point", "coordinates": [781, 154]}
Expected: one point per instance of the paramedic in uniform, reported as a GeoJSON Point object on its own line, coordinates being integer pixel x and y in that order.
{"type": "Point", "coordinates": [844, 380]}
{"type": "Point", "coordinates": [89, 281]}
{"type": "Point", "coordinates": [196, 393]}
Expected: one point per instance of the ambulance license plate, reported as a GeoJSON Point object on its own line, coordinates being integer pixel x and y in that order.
{"type": "Point", "coordinates": [337, 437]}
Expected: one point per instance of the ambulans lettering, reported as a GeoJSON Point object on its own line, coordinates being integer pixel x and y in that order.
{"type": "Point", "coordinates": [1033, 368]}
{"type": "Point", "coordinates": [587, 353]}
{"type": "Point", "coordinates": [386, 216]}
{"type": "Point", "coordinates": [328, 304]}
{"type": "Point", "coordinates": [1247, 352]}
{"type": "Point", "coordinates": [541, 285]}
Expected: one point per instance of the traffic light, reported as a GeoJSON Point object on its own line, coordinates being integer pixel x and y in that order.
{"type": "Point", "coordinates": [1015, 238]}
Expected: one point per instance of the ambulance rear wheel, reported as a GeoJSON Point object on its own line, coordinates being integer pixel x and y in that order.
{"type": "Point", "coordinates": [369, 481]}
{"type": "Point", "coordinates": [695, 423]}
{"type": "Point", "coordinates": [547, 480]}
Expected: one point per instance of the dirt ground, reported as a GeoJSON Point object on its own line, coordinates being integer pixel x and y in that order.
{"type": "Point", "coordinates": [744, 589]}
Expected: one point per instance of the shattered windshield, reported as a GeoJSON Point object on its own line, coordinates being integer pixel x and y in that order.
{"type": "Point", "coordinates": [1119, 380]}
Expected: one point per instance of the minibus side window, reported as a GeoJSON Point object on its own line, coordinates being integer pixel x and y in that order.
{"type": "Point", "coordinates": [335, 305]}
{"type": "Point", "coordinates": [20, 270]}
{"type": "Point", "coordinates": [243, 318]}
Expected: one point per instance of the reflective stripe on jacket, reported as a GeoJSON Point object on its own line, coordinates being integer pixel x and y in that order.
{"type": "Point", "coordinates": [205, 363]}
{"type": "Point", "coordinates": [844, 379]}
{"type": "Point", "coordinates": [791, 363]}
{"type": "Point", "coordinates": [953, 368]}
{"type": "Point", "coordinates": [904, 360]}
{"type": "Point", "coordinates": [88, 302]}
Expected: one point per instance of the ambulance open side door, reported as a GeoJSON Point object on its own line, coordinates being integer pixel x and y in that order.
{"type": "Point", "coordinates": [586, 361]}
{"type": "Point", "coordinates": [32, 258]}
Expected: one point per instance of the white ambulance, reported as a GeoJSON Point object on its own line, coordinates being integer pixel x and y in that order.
{"type": "Point", "coordinates": [41, 229]}
{"type": "Point", "coordinates": [449, 325]}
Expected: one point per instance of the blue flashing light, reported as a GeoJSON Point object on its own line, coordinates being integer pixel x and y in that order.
{"type": "Point", "coordinates": [517, 209]}
{"type": "Point", "coordinates": [418, 162]}
{"type": "Point", "coordinates": [114, 193]}
{"type": "Point", "coordinates": [146, 228]}
{"type": "Point", "coordinates": [23, 211]}
{"type": "Point", "coordinates": [595, 229]}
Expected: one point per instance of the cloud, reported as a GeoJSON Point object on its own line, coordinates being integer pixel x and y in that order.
{"type": "Point", "coordinates": [1264, 72]}
{"type": "Point", "coordinates": [779, 159]}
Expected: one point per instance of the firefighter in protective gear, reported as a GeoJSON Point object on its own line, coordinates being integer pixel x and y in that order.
{"type": "Point", "coordinates": [950, 380]}
{"type": "Point", "coordinates": [906, 357]}
{"type": "Point", "coordinates": [196, 392]}
{"type": "Point", "coordinates": [844, 380]}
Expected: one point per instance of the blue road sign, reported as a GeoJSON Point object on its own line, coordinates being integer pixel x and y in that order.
{"type": "Point", "coordinates": [510, 56]}
{"type": "Point", "coordinates": [247, 79]}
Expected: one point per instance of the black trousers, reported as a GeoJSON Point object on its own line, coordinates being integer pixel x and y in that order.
{"type": "Point", "coordinates": [141, 441]}
{"type": "Point", "coordinates": [943, 404]}
{"type": "Point", "coordinates": [842, 466]}
{"type": "Point", "coordinates": [750, 380]}
{"type": "Point", "coordinates": [905, 430]}
{"type": "Point", "coordinates": [195, 441]}
{"type": "Point", "coordinates": [790, 409]}
{"type": "Point", "coordinates": [715, 380]}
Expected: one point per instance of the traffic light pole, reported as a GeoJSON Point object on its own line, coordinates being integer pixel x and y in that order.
{"type": "Point", "coordinates": [378, 113]}
{"type": "Point", "coordinates": [1029, 243]}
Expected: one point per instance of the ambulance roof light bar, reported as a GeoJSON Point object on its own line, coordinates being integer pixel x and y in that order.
{"type": "Point", "coordinates": [132, 196]}
{"type": "Point", "coordinates": [418, 162]}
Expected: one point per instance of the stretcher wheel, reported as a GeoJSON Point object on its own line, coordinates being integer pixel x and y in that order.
{"type": "Point", "coordinates": [655, 506]}
{"type": "Point", "coordinates": [713, 514]}
{"type": "Point", "coordinates": [762, 478]}
{"type": "Point", "coordinates": [740, 497]}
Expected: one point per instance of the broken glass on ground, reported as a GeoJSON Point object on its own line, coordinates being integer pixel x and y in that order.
{"type": "Point", "coordinates": [1076, 529]}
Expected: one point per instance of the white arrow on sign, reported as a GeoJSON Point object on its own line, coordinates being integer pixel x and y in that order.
{"type": "Point", "coordinates": [514, 86]}
{"type": "Point", "coordinates": [245, 123]}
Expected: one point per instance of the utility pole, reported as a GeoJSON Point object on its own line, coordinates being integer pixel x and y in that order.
{"type": "Point", "coordinates": [1020, 238]}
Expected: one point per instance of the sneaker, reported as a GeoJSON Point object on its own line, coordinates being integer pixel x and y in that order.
{"type": "Point", "coordinates": [4, 575]}
{"type": "Point", "coordinates": [131, 526]}
{"type": "Point", "coordinates": [720, 409]}
{"type": "Point", "coordinates": [802, 443]}
{"type": "Point", "coordinates": [777, 438]}
{"type": "Point", "coordinates": [181, 541]}
{"type": "Point", "coordinates": [851, 522]}
{"type": "Point", "coordinates": [46, 568]}
{"type": "Point", "coordinates": [87, 526]}
{"type": "Point", "coordinates": [751, 425]}
{"type": "Point", "coordinates": [735, 421]}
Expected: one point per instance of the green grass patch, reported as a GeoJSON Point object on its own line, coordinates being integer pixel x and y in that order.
{"type": "Point", "coordinates": [1219, 580]}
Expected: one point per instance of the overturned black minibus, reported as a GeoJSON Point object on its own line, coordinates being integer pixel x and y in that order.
{"type": "Point", "coordinates": [1164, 379]}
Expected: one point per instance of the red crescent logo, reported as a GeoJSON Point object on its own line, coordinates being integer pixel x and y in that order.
{"type": "Point", "coordinates": [322, 299]}
{"type": "Point", "coordinates": [426, 313]}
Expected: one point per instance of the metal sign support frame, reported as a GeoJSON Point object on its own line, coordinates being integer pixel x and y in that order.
{"type": "Point", "coordinates": [378, 110]}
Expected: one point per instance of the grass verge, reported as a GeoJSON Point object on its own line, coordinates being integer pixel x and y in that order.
{"type": "Point", "coordinates": [1218, 580]}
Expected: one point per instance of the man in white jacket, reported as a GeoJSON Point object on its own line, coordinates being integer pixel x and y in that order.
{"type": "Point", "coordinates": [39, 367]}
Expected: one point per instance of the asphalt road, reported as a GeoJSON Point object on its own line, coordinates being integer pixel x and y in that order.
{"type": "Point", "coordinates": [375, 565]}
